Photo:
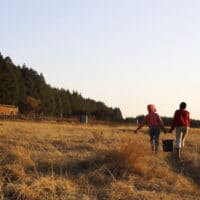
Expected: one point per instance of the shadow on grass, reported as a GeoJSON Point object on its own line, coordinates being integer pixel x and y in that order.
{"type": "Point", "coordinates": [105, 165]}
{"type": "Point", "coordinates": [64, 147]}
{"type": "Point", "coordinates": [73, 167]}
{"type": "Point", "coordinates": [94, 170]}
{"type": "Point", "coordinates": [188, 168]}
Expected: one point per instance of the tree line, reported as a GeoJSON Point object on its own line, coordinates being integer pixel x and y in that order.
{"type": "Point", "coordinates": [25, 88]}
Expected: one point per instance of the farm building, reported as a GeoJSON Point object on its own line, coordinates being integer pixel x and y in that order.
{"type": "Point", "coordinates": [84, 119]}
{"type": "Point", "coordinates": [9, 110]}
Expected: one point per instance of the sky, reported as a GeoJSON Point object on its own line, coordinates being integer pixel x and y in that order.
{"type": "Point", "coordinates": [126, 54]}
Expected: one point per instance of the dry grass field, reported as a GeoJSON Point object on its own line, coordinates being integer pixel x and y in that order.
{"type": "Point", "coordinates": [67, 161]}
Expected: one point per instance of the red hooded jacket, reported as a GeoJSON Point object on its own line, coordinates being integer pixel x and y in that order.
{"type": "Point", "coordinates": [181, 118]}
{"type": "Point", "coordinates": [152, 118]}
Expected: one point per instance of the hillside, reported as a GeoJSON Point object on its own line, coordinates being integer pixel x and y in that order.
{"type": "Point", "coordinates": [19, 84]}
{"type": "Point", "coordinates": [93, 162]}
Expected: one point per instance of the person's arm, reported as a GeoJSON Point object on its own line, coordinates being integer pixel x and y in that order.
{"type": "Point", "coordinates": [141, 125]}
{"type": "Point", "coordinates": [188, 119]}
{"type": "Point", "coordinates": [161, 124]}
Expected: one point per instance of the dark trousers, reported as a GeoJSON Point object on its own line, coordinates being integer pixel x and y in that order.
{"type": "Point", "coordinates": [154, 133]}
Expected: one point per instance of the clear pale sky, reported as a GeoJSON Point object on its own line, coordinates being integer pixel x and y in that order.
{"type": "Point", "coordinates": [125, 53]}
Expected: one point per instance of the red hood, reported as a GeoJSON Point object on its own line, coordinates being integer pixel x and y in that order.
{"type": "Point", "coordinates": [151, 108]}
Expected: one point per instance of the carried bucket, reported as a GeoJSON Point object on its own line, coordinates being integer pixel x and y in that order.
{"type": "Point", "coordinates": [168, 145]}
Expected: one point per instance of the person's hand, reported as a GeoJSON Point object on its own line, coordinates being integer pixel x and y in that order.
{"type": "Point", "coordinates": [170, 130]}
{"type": "Point", "coordinates": [165, 130]}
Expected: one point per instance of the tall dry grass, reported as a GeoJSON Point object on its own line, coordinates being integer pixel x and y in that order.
{"type": "Point", "coordinates": [72, 161]}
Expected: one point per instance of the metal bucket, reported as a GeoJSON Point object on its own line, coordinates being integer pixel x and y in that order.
{"type": "Point", "coordinates": [168, 145]}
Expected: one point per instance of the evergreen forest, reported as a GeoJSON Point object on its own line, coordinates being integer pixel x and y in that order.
{"type": "Point", "coordinates": [24, 87]}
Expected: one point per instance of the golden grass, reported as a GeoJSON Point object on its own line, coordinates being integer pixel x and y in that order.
{"type": "Point", "coordinates": [50, 160]}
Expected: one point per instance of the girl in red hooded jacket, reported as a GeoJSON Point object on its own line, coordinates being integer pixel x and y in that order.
{"type": "Point", "coordinates": [154, 122]}
{"type": "Point", "coordinates": [181, 123]}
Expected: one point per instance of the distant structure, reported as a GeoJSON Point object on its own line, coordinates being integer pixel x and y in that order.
{"type": "Point", "coordinates": [8, 110]}
{"type": "Point", "coordinates": [84, 119]}
{"type": "Point", "coordinates": [130, 120]}
{"type": "Point", "coordinates": [139, 119]}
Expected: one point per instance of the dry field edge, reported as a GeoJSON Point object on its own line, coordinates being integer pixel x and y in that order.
{"type": "Point", "coordinates": [65, 161]}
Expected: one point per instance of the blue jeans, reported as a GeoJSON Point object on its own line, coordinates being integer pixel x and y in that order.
{"type": "Point", "coordinates": [154, 133]}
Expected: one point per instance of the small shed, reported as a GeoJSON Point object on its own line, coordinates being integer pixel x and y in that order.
{"type": "Point", "coordinates": [139, 119]}
{"type": "Point", "coordinates": [84, 119]}
{"type": "Point", "coordinates": [8, 110]}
